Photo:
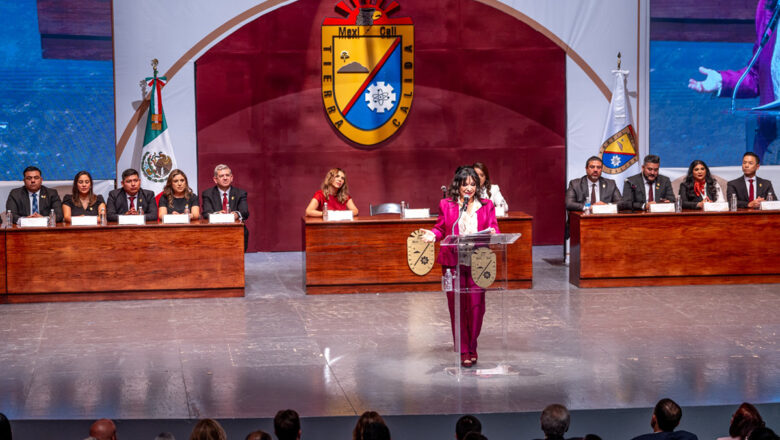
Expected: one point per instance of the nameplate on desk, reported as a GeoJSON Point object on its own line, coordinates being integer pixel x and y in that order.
{"type": "Point", "coordinates": [177, 219]}
{"type": "Point", "coordinates": [610, 208]}
{"type": "Point", "coordinates": [773, 205]}
{"type": "Point", "coordinates": [500, 211]}
{"type": "Point", "coordinates": [716, 206]}
{"type": "Point", "coordinates": [338, 216]}
{"type": "Point", "coordinates": [662, 207]}
{"type": "Point", "coordinates": [417, 213]}
{"type": "Point", "coordinates": [34, 222]}
{"type": "Point", "coordinates": [222, 218]}
{"type": "Point", "coordinates": [131, 219]}
{"type": "Point", "coordinates": [84, 220]}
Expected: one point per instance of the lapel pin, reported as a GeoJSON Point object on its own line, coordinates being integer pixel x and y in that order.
{"type": "Point", "coordinates": [232, 197]}
{"type": "Point", "coordinates": [43, 196]}
{"type": "Point", "coordinates": [759, 185]}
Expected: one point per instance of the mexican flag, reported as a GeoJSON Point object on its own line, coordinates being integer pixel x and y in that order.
{"type": "Point", "coordinates": [157, 158]}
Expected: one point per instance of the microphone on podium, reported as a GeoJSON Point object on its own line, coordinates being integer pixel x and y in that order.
{"type": "Point", "coordinates": [443, 191]}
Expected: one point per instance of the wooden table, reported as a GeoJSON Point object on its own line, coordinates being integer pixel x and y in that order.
{"type": "Point", "coordinates": [691, 247]}
{"type": "Point", "coordinates": [369, 255]}
{"type": "Point", "coordinates": [75, 263]}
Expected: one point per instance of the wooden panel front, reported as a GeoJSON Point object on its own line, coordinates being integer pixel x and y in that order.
{"type": "Point", "coordinates": [369, 255]}
{"type": "Point", "coordinates": [684, 248]}
{"type": "Point", "coordinates": [151, 258]}
{"type": "Point", "coordinates": [3, 289]}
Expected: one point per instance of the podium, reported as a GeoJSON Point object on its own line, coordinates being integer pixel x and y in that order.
{"type": "Point", "coordinates": [479, 265]}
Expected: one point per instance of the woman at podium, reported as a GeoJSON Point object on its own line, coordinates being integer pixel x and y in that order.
{"type": "Point", "coordinates": [464, 212]}
{"type": "Point", "coordinates": [699, 186]}
{"type": "Point", "coordinates": [335, 192]}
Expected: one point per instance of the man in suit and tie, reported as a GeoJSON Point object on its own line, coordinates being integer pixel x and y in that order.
{"type": "Point", "coordinates": [591, 188]}
{"type": "Point", "coordinates": [750, 189]}
{"type": "Point", "coordinates": [130, 197]}
{"type": "Point", "coordinates": [224, 198]}
{"type": "Point", "coordinates": [33, 199]}
{"type": "Point", "coordinates": [648, 187]}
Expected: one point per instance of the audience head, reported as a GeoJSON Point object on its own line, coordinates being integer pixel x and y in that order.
{"type": "Point", "coordinates": [335, 184]}
{"type": "Point", "coordinates": [591, 437]}
{"type": "Point", "coordinates": [287, 425]}
{"type": "Point", "coordinates": [650, 167]}
{"type": "Point", "coordinates": [103, 429]}
{"type": "Point", "coordinates": [465, 181]}
{"type": "Point", "coordinates": [364, 420]}
{"type": "Point", "coordinates": [131, 183]}
{"type": "Point", "coordinates": [165, 436]}
{"type": "Point", "coordinates": [208, 429]}
{"type": "Point", "coordinates": [32, 179]}
{"type": "Point", "coordinates": [258, 435]}
{"type": "Point", "coordinates": [744, 421]}
{"type": "Point", "coordinates": [223, 177]}
{"type": "Point", "coordinates": [483, 174]}
{"type": "Point", "coordinates": [475, 436]}
{"type": "Point", "coordinates": [82, 186]}
{"type": "Point", "coordinates": [763, 433]}
{"type": "Point", "coordinates": [5, 428]}
{"type": "Point", "coordinates": [376, 431]}
{"type": "Point", "coordinates": [666, 415]}
{"type": "Point", "coordinates": [750, 163]}
{"type": "Point", "coordinates": [465, 425]}
{"type": "Point", "coordinates": [555, 421]}
{"type": "Point", "coordinates": [593, 167]}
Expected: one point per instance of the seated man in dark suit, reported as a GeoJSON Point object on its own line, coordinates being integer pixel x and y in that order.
{"type": "Point", "coordinates": [750, 189]}
{"type": "Point", "coordinates": [666, 417]}
{"type": "Point", "coordinates": [225, 198]}
{"type": "Point", "coordinates": [648, 187]}
{"type": "Point", "coordinates": [33, 199]}
{"type": "Point", "coordinates": [130, 197]}
{"type": "Point", "coordinates": [591, 188]}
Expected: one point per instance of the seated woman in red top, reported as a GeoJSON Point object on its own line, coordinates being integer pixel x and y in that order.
{"type": "Point", "coordinates": [479, 215]}
{"type": "Point", "coordinates": [335, 192]}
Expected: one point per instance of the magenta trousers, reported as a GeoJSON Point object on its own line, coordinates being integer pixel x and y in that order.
{"type": "Point", "coordinates": [472, 310]}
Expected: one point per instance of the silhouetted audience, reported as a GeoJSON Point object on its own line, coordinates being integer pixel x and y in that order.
{"type": "Point", "coordinates": [474, 436]}
{"type": "Point", "coordinates": [465, 425]}
{"type": "Point", "coordinates": [744, 420]}
{"type": "Point", "coordinates": [763, 433]}
{"type": "Point", "coordinates": [208, 429]}
{"type": "Point", "coordinates": [103, 429]}
{"type": "Point", "coordinates": [366, 419]}
{"type": "Point", "coordinates": [666, 417]}
{"type": "Point", "coordinates": [287, 425]}
{"type": "Point", "coordinates": [376, 431]}
{"type": "Point", "coordinates": [555, 421]}
{"type": "Point", "coordinates": [258, 435]}
{"type": "Point", "coordinates": [165, 436]}
{"type": "Point", "coordinates": [5, 428]}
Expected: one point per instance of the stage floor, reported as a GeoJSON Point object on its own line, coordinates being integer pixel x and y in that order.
{"type": "Point", "coordinates": [334, 355]}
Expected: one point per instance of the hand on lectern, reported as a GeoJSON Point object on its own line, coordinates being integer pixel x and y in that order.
{"type": "Point", "coordinates": [712, 83]}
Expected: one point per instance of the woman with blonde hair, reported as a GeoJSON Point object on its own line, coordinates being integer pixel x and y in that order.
{"type": "Point", "coordinates": [177, 197]}
{"type": "Point", "coordinates": [335, 192]}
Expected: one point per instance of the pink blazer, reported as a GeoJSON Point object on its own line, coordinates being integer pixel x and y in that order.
{"type": "Point", "coordinates": [448, 215]}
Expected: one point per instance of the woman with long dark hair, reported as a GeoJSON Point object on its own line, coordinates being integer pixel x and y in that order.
{"type": "Point", "coordinates": [489, 189]}
{"type": "Point", "coordinates": [82, 200]}
{"type": "Point", "coordinates": [699, 187]}
{"type": "Point", "coordinates": [335, 192]}
{"type": "Point", "coordinates": [478, 215]}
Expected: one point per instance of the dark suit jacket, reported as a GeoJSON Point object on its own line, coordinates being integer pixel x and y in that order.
{"type": "Point", "coordinates": [634, 199]}
{"type": "Point", "coordinates": [236, 201]}
{"type": "Point", "coordinates": [674, 435]}
{"type": "Point", "coordinates": [117, 204]}
{"type": "Point", "coordinates": [19, 203]}
{"type": "Point", "coordinates": [579, 190]}
{"type": "Point", "coordinates": [739, 187]}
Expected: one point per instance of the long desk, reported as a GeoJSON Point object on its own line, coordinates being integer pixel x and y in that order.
{"type": "Point", "coordinates": [691, 247]}
{"type": "Point", "coordinates": [369, 255]}
{"type": "Point", "coordinates": [76, 263]}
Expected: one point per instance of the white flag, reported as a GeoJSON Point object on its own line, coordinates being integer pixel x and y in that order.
{"type": "Point", "coordinates": [619, 150]}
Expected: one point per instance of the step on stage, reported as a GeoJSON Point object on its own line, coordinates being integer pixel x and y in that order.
{"type": "Point", "coordinates": [340, 355]}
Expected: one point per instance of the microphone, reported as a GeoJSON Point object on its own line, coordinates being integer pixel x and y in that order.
{"type": "Point", "coordinates": [460, 212]}
{"type": "Point", "coordinates": [465, 203]}
{"type": "Point", "coordinates": [764, 39]}
{"type": "Point", "coordinates": [443, 191]}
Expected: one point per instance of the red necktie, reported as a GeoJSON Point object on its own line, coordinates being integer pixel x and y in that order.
{"type": "Point", "coordinates": [132, 205]}
{"type": "Point", "coordinates": [650, 197]}
{"type": "Point", "coordinates": [224, 202]}
{"type": "Point", "coordinates": [751, 196]}
{"type": "Point", "coordinates": [593, 194]}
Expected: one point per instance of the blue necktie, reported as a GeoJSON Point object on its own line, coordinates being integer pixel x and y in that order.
{"type": "Point", "coordinates": [35, 204]}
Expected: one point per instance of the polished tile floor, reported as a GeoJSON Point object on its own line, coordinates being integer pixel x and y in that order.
{"type": "Point", "coordinates": [343, 354]}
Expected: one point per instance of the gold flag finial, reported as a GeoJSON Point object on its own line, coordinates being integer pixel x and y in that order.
{"type": "Point", "coordinates": [154, 65]}
{"type": "Point", "coordinates": [618, 61]}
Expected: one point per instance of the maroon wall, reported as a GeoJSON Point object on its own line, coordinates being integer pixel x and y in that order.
{"type": "Point", "coordinates": [487, 88]}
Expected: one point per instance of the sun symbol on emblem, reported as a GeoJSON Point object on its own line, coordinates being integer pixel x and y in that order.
{"type": "Point", "coordinates": [424, 260]}
{"type": "Point", "coordinates": [615, 161]}
{"type": "Point", "coordinates": [486, 275]}
{"type": "Point", "coordinates": [380, 97]}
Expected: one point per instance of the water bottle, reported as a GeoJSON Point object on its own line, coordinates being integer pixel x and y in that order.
{"type": "Point", "coordinates": [587, 209]}
{"type": "Point", "coordinates": [325, 211]}
{"type": "Point", "coordinates": [403, 209]}
{"type": "Point", "coordinates": [446, 281]}
{"type": "Point", "coordinates": [770, 197]}
{"type": "Point", "coordinates": [187, 211]}
{"type": "Point", "coordinates": [678, 205]}
{"type": "Point", "coordinates": [505, 207]}
{"type": "Point", "coordinates": [9, 219]}
{"type": "Point", "coordinates": [141, 213]}
{"type": "Point", "coordinates": [102, 218]}
{"type": "Point", "coordinates": [52, 219]}
{"type": "Point", "coordinates": [733, 203]}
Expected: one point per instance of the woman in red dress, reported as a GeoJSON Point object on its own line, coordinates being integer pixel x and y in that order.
{"type": "Point", "coordinates": [335, 192]}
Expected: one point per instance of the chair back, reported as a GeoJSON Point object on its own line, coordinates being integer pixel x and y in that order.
{"type": "Point", "coordinates": [384, 208]}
